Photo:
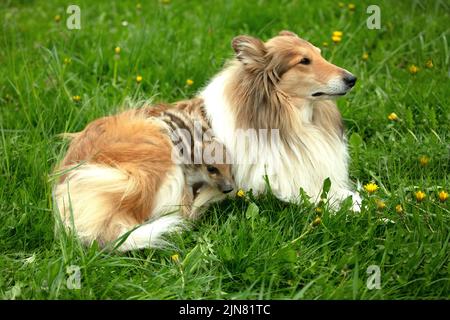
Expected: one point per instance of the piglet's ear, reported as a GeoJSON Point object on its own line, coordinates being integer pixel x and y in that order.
{"type": "Point", "coordinates": [249, 50]}
{"type": "Point", "coordinates": [287, 33]}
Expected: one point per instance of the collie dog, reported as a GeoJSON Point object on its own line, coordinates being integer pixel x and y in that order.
{"type": "Point", "coordinates": [285, 86]}
{"type": "Point", "coordinates": [134, 174]}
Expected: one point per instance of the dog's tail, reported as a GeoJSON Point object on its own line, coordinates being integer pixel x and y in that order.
{"type": "Point", "coordinates": [99, 202]}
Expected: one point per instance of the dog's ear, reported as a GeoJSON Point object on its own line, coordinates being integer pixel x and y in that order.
{"type": "Point", "coordinates": [249, 50]}
{"type": "Point", "coordinates": [287, 33]}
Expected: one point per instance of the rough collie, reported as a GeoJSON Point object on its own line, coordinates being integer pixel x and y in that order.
{"type": "Point", "coordinates": [283, 85]}
{"type": "Point", "coordinates": [139, 173]}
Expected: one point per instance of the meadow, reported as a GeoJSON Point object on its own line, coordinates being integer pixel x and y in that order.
{"type": "Point", "coordinates": [397, 118]}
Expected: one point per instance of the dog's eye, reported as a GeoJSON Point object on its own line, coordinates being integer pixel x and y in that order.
{"type": "Point", "coordinates": [305, 61]}
{"type": "Point", "coordinates": [212, 169]}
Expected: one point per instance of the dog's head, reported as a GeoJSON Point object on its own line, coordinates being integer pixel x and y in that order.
{"type": "Point", "coordinates": [292, 65]}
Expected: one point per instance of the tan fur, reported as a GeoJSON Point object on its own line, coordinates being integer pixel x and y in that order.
{"type": "Point", "coordinates": [327, 116]}
{"type": "Point", "coordinates": [193, 107]}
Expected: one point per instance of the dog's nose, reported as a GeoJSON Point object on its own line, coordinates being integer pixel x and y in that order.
{"type": "Point", "coordinates": [350, 80]}
{"type": "Point", "coordinates": [227, 188]}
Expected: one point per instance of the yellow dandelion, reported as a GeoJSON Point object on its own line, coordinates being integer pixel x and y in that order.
{"type": "Point", "coordinates": [317, 221]}
{"type": "Point", "coordinates": [429, 63]}
{"type": "Point", "coordinates": [380, 204]}
{"type": "Point", "coordinates": [393, 116]}
{"type": "Point", "coordinates": [341, 4]}
{"type": "Point", "coordinates": [399, 208]}
{"type": "Point", "coordinates": [139, 79]}
{"type": "Point", "coordinates": [423, 160]}
{"type": "Point", "coordinates": [338, 33]}
{"type": "Point", "coordinates": [325, 44]}
{"type": "Point", "coordinates": [240, 193]}
{"type": "Point", "coordinates": [318, 210]}
{"type": "Point", "coordinates": [336, 39]}
{"type": "Point", "coordinates": [443, 196]}
{"type": "Point", "coordinates": [57, 18]}
{"type": "Point", "coordinates": [175, 258]}
{"type": "Point", "coordinates": [365, 56]}
{"type": "Point", "coordinates": [117, 50]}
{"type": "Point", "coordinates": [67, 61]}
{"type": "Point", "coordinates": [420, 196]}
{"type": "Point", "coordinates": [351, 6]}
{"type": "Point", "coordinates": [189, 82]}
{"type": "Point", "coordinates": [371, 187]}
{"type": "Point", "coordinates": [413, 69]}
{"type": "Point", "coordinates": [76, 98]}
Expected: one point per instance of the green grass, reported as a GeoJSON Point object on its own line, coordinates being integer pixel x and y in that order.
{"type": "Point", "coordinates": [271, 250]}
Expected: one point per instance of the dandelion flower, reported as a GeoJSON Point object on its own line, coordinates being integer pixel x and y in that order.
{"type": "Point", "coordinates": [365, 56]}
{"type": "Point", "coordinates": [318, 210]}
{"type": "Point", "coordinates": [189, 82]}
{"type": "Point", "coordinates": [443, 196]}
{"type": "Point", "coordinates": [380, 204]}
{"type": "Point", "coordinates": [420, 196]}
{"type": "Point", "coordinates": [423, 160]}
{"type": "Point", "coordinates": [351, 6]}
{"type": "Point", "coordinates": [139, 79]}
{"type": "Point", "coordinates": [57, 18]}
{"type": "Point", "coordinates": [117, 50]}
{"type": "Point", "coordinates": [76, 98]}
{"type": "Point", "coordinates": [393, 116]}
{"type": "Point", "coordinates": [413, 69]}
{"type": "Point", "coordinates": [336, 39]}
{"type": "Point", "coordinates": [317, 221]}
{"type": "Point", "coordinates": [371, 187]}
{"type": "Point", "coordinates": [399, 208]}
{"type": "Point", "coordinates": [175, 258]}
{"type": "Point", "coordinates": [240, 193]}
{"type": "Point", "coordinates": [429, 63]}
{"type": "Point", "coordinates": [338, 33]}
